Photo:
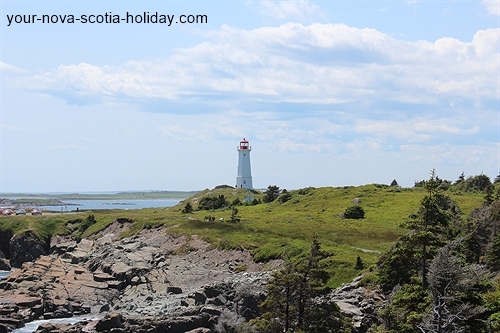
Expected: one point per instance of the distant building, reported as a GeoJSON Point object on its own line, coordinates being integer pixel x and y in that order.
{"type": "Point", "coordinates": [244, 172]}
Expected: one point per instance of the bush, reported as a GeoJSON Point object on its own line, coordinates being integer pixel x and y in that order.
{"type": "Point", "coordinates": [234, 216]}
{"type": "Point", "coordinates": [284, 196]}
{"type": "Point", "coordinates": [90, 220]}
{"type": "Point", "coordinates": [354, 212]}
{"type": "Point", "coordinates": [188, 208]}
{"type": "Point", "coordinates": [359, 264]}
{"type": "Point", "coordinates": [236, 202]}
{"type": "Point", "coordinates": [211, 203]}
{"type": "Point", "coordinates": [479, 183]}
{"type": "Point", "coordinates": [271, 193]}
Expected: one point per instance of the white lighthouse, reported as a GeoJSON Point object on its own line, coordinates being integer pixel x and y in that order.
{"type": "Point", "coordinates": [244, 173]}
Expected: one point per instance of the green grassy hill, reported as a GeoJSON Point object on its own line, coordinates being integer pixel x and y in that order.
{"type": "Point", "coordinates": [270, 229]}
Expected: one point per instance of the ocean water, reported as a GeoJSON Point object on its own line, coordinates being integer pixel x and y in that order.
{"type": "Point", "coordinates": [4, 274]}
{"type": "Point", "coordinates": [72, 205]}
{"type": "Point", "coordinates": [32, 326]}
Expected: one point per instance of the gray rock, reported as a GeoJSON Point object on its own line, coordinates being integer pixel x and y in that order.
{"type": "Point", "coordinates": [358, 303]}
{"type": "Point", "coordinates": [349, 310]}
{"type": "Point", "coordinates": [111, 320]}
{"type": "Point", "coordinates": [25, 247]}
{"type": "Point", "coordinates": [200, 330]}
{"type": "Point", "coordinates": [63, 247]}
{"type": "Point", "coordinates": [199, 298]}
{"type": "Point", "coordinates": [104, 308]}
{"type": "Point", "coordinates": [4, 265]}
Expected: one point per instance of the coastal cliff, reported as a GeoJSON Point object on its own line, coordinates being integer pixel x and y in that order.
{"type": "Point", "coordinates": [150, 282]}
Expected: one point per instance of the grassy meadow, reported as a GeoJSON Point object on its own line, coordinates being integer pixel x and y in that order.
{"type": "Point", "coordinates": [270, 229]}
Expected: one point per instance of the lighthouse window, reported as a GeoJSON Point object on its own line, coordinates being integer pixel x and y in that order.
{"type": "Point", "coordinates": [244, 154]}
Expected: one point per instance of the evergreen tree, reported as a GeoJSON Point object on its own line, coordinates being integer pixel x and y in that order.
{"type": "Point", "coordinates": [461, 178]}
{"type": "Point", "coordinates": [188, 208]}
{"type": "Point", "coordinates": [398, 265]}
{"type": "Point", "coordinates": [493, 255]}
{"type": "Point", "coordinates": [428, 225]}
{"type": "Point", "coordinates": [280, 309]}
{"type": "Point", "coordinates": [295, 303]}
{"type": "Point", "coordinates": [234, 216]}
{"type": "Point", "coordinates": [406, 308]}
{"type": "Point", "coordinates": [359, 263]}
{"type": "Point", "coordinates": [497, 179]}
{"type": "Point", "coordinates": [455, 287]}
{"type": "Point", "coordinates": [488, 198]}
{"type": "Point", "coordinates": [271, 193]}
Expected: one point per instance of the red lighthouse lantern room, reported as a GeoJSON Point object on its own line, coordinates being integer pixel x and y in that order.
{"type": "Point", "coordinates": [244, 144]}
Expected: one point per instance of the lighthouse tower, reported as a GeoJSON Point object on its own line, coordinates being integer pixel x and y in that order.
{"type": "Point", "coordinates": [244, 174]}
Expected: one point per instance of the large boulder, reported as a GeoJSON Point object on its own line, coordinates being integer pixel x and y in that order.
{"type": "Point", "coordinates": [359, 304]}
{"type": "Point", "coordinates": [25, 247]}
{"type": "Point", "coordinates": [110, 321]}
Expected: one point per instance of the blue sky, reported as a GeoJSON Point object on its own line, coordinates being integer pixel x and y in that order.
{"type": "Point", "coordinates": [329, 93]}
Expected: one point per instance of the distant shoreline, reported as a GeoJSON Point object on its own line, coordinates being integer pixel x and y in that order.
{"type": "Point", "coordinates": [37, 197]}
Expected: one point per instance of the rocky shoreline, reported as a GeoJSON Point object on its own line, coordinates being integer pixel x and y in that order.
{"type": "Point", "coordinates": [151, 282]}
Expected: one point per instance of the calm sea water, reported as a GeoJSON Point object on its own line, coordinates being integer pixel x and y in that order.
{"type": "Point", "coordinates": [4, 274]}
{"type": "Point", "coordinates": [72, 205]}
{"type": "Point", "coordinates": [32, 326]}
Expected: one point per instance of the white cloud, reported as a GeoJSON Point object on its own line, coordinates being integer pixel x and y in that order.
{"type": "Point", "coordinates": [462, 155]}
{"type": "Point", "coordinates": [317, 63]}
{"type": "Point", "coordinates": [492, 6]}
{"type": "Point", "coordinates": [282, 84]}
{"type": "Point", "coordinates": [6, 67]}
{"type": "Point", "coordinates": [431, 127]}
{"type": "Point", "coordinates": [413, 130]}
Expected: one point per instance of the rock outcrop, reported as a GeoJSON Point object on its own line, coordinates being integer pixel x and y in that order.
{"type": "Point", "coordinates": [5, 237]}
{"type": "Point", "coordinates": [25, 247]}
{"type": "Point", "coordinates": [139, 278]}
{"type": "Point", "coordinates": [4, 263]}
{"type": "Point", "coordinates": [359, 304]}
{"type": "Point", "coordinates": [152, 282]}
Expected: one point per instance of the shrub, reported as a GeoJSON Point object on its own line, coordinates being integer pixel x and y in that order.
{"type": "Point", "coordinates": [359, 264]}
{"type": "Point", "coordinates": [271, 193]}
{"type": "Point", "coordinates": [211, 203]}
{"type": "Point", "coordinates": [284, 196]}
{"type": "Point", "coordinates": [354, 212]}
{"type": "Point", "coordinates": [188, 208]}
{"type": "Point", "coordinates": [234, 216]}
{"type": "Point", "coordinates": [236, 202]}
{"type": "Point", "coordinates": [87, 223]}
{"type": "Point", "coordinates": [477, 183]}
